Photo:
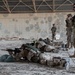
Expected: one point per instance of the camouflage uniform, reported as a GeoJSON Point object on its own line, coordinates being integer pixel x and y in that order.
{"type": "Point", "coordinates": [69, 30]}
{"type": "Point", "coordinates": [73, 21]}
{"type": "Point", "coordinates": [53, 29]}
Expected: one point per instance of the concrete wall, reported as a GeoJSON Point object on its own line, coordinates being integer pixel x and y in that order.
{"type": "Point", "coordinates": [32, 25]}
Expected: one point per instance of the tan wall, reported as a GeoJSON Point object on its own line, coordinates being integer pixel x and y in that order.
{"type": "Point", "coordinates": [32, 25]}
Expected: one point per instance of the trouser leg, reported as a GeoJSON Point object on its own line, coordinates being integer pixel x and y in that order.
{"type": "Point", "coordinates": [53, 36]}
{"type": "Point", "coordinates": [68, 41]}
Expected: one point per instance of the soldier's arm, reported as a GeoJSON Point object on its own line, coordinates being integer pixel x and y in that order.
{"type": "Point", "coordinates": [51, 29]}
{"type": "Point", "coordinates": [66, 22]}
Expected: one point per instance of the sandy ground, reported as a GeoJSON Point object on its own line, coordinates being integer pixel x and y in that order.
{"type": "Point", "coordinates": [30, 69]}
{"type": "Point", "coordinates": [17, 68]}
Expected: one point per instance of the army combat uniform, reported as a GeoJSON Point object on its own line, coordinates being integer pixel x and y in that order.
{"type": "Point", "coordinates": [73, 21]}
{"type": "Point", "coordinates": [53, 29]}
{"type": "Point", "coordinates": [69, 30]}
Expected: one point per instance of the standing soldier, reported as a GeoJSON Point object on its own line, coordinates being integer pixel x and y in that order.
{"type": "Point", "coordinates": [53, 29]}
{"type": "Point", "coordinates": [73, 22]}
{"type": "Point", "coordinates": [69, 29]}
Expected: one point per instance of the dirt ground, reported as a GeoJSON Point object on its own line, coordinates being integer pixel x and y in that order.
{"type": "Point", "coordinates": [25, 68]}
{"type": "Point", "coordinates": [30, 69]}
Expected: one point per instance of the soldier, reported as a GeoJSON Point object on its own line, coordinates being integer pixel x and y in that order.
{"type": "Point", "coordinates": [74, 6]}
{"type": "Point", "coordinates": [69, 29]}
{"type": "Point", "coordinates": [73, 22]}
{"type": "Point", "coordinates": [53, 29]}
{"type": "Point", "coordinates": [47, 41]}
